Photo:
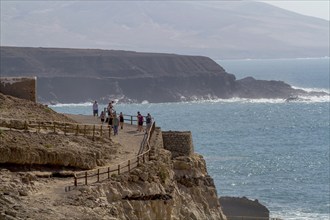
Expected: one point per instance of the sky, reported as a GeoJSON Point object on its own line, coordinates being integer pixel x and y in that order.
{"type": "Point", "coordinates": [317, 8]}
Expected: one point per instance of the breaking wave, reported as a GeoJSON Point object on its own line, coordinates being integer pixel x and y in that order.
{"type": "Point", "coordinates": [304, 99]}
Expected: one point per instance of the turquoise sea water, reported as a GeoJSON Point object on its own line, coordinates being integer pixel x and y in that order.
{"type": "Point", "coordinates": [270, 150]}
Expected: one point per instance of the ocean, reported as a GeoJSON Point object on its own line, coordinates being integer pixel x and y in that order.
{"type": "Point", "coordinates": [269, 149]}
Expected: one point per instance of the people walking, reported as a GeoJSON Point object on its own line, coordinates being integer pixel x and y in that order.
{"type": "Point", "coordinates": [115, 124]}
{"type": "Point", "coordinates": [111, 120]}
{"type": "Point", "coordinates": [121, 120]}
{"type": "Point", "coordinates": [102, 116]}
{"type": "Point", "coordinates": [110, 108]}
{"type": "Point", "coordinates": [148, 122]}
{"type": "Point", "coordinates": [140, 122]}
{"type": "Point", "coordinates": [95, 109]}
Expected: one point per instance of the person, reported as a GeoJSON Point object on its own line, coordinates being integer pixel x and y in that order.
{"type": "Point", "coordinates": [110, 108]}
{"type": "Point", "coordinates": [102, 116]}
{"type": "Point", "coordinates": [95, 109]}
{"type": "Point", "coordinates": [137, 120]}
{"type": "Point", "coordinates": [140, 122]}
{"type": "Point", "coordinates": [115, 124]}
{"type": "Point", "coordinates": [148, 122]}
{"type": "Point", "coordinates": [111, 120]}
{"type": "Point", "coordinates": [121, 120]}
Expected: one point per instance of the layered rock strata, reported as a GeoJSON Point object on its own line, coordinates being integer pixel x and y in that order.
{"type": "Point", "coordinates": [166, 186]}
{"type": "Point", "coordinates": [80, 75]}
{"type": "Point", "coordinates": [162, 188]}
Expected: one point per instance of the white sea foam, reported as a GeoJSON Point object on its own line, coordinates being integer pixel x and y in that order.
{"type": "Point", "coordinates": [295, 215]}
{"type": "Point", "coordinates": [303, 99]}
{"type": "Point", "coordinates": [145, 102]}
{"type": "Point", "coordinates": [313, 89]}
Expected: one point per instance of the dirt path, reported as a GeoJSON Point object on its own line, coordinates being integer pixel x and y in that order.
{"type": "Point", "coordinates": [128, 137]}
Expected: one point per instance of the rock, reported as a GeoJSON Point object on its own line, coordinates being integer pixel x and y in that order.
{"type": "Point", "coordinates": [234, 206]}
{"type": "Point", "coordinates": [23, 192]}
{"type": "Point", "coordinates": [11, 213]}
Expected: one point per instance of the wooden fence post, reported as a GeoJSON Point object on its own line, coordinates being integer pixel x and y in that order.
{"type": "Point", "coordinates": [98, 175]}
{"type": "Point", "coordinates": [75, 180]}
{"type": "Point", "coordinates": [25, 126]}
{"type": "Point", "coordinates": [129, 166]}
{"type": "Point", "coordinates": [118, 169]}
{"type": "Point", "coordinates": [131, 119]}
{"type": "Point", "coordinates": [109, 132]}
{"type": "Point", "coordinates": [108, 172]}
{"type": "Point", "coordinates": [86, 178]}
{"type": "Point", "coordinates": [93, 132]}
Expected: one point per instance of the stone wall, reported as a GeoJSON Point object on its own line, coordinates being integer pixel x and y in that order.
{"type": "Point", "coordinates": [178, 142]}
{"type": "Point", "coordinates": [20, 87]}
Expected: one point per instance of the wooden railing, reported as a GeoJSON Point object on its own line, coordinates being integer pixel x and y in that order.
{"type": "Point", "coordinates": [99, 174]}
{"type": "Point", "coordinates": [132, 118]}
{"type": "Point", "coordinates": [86, 130]}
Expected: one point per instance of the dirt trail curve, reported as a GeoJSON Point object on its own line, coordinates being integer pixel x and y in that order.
{"type": "Point", "coordinates": [128, 137]}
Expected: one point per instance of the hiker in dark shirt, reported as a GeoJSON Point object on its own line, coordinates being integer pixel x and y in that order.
{"type": "Point", "coordinates": [148, 122]}
{"type": "Point", "coordinates": [121, 120]}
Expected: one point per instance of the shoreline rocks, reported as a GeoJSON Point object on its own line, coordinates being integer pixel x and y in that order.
{"type": "Point", "coordinates": [236, 207]}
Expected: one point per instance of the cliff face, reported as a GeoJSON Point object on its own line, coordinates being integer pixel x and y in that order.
{"type": "Point", "coordinates": [79, 75]}
{"type": "Point", "coordinates": [162, 188]}
{"type": "Point", "coordinates": [170, 185]}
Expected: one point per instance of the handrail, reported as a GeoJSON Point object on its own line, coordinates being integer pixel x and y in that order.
{"type": "Point", "coordinates": [55, 126]}
{"type": "Point", "coordinates": [129, 164]}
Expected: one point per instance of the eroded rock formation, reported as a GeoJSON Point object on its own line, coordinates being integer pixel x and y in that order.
{"type": "Point", "coordinates": [164, 187]}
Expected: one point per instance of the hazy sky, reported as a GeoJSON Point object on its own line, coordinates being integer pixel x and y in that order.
{"type": "Point", "coordinates": [317, 8]}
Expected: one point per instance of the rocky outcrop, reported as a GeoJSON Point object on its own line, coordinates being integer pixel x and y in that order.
{"type": "Point", "coordinates": [80, 75]}
{"type": "Point", "coordinates": [21, 87]}
{"type": "Point", "coordinates": [25, 110]}
{"type": "Point", "coordinates": [234, 208]}
{"type": "Point", "coordinates": [54, 150]}
{"type": "Point", "coordinates": [28, 138]}
{"type": "Point", "coordinates": [166, 186]}
{"type": "Point", "coordinates": [161, 188]}
{"type": "Point", "coordinates": [255, 89]}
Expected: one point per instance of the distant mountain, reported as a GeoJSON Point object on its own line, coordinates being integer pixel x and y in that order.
{"type": "Point", "coordinates": [83, 75]}
{"type": "Point", "coordinates": [219, 29]}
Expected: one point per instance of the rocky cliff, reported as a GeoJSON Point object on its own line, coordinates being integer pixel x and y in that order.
{"type": "Point", "coordinates": [165, 187]}
{"type": "Point", "coordinates": [80, 75]}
